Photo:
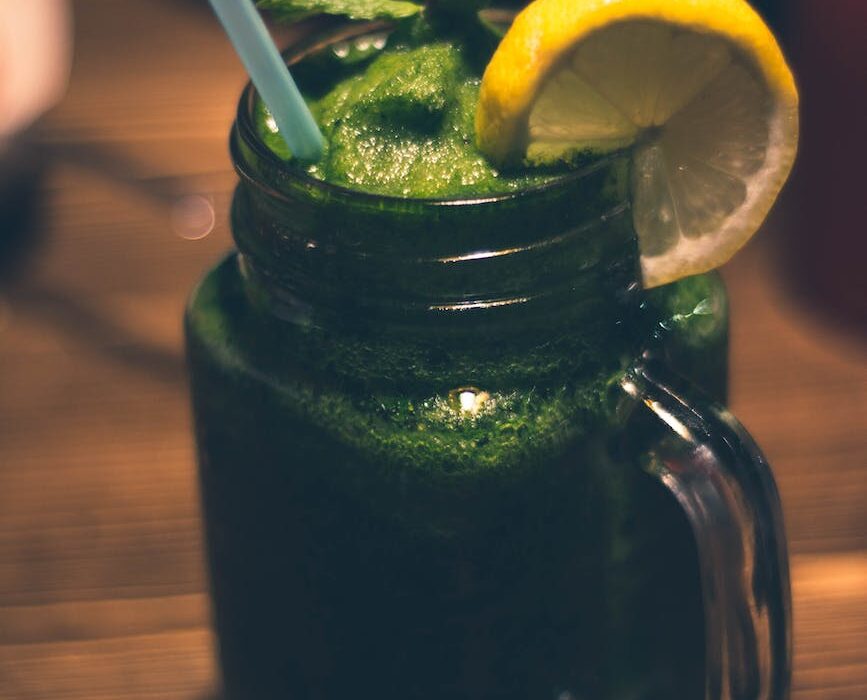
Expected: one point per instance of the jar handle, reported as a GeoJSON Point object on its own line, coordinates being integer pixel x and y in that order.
{"type": "Point", "coordinates": [724, 484]}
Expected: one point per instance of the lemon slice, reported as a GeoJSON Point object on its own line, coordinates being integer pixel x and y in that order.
{"type": "Point", "coordinates": [698, 88]}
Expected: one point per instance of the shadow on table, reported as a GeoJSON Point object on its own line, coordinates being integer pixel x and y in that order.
{"type": "Point", "coordinates": [25, 164]}
{"type": "Point", "coordinates": [22, 174]}
{"type": "Point", "coordinates": [214, 695]}
{"type": "Point", "coordinates": [88, 327]}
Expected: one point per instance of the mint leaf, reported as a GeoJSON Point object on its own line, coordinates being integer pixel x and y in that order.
{"type": "Point", "coordinates": [291, 10]}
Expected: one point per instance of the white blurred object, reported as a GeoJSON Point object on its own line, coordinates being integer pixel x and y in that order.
{"type": "Point", "coordinates": [35, 58]}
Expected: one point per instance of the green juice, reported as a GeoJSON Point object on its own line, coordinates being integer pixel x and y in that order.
{"type": "Point", "coordinates": [421, 478]}
{"type": "Point", "coordinates": [398, 120]}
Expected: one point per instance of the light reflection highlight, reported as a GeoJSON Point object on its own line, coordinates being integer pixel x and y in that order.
{"type": "Point", "coordinates": [193, 217]}
{"type": "Point", "coordinates": [470, 305]}
{"type": "Point", "coordinates": [469, 400]}
{"type": "Point", "coordinates": [483, 255]}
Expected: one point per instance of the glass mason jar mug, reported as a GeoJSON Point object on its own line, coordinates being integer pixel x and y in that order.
{"type": "Point", "coordinates": [451, 449]}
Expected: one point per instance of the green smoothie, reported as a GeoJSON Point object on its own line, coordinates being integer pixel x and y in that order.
{"type": "Point", "coordinates": [398, 120]}
{"type": "Point", "coordinates": [420, 476]}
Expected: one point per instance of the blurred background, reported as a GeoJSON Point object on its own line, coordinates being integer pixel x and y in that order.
{"type": "Point", "coordinates": [114, 190]}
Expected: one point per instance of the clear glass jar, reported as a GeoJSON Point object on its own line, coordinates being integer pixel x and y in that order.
{"type": "Point", "coordinates": [451, 449]}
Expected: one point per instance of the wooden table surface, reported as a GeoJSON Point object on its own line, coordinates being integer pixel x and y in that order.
{"type": "Point", "coordinates": [101, 575]}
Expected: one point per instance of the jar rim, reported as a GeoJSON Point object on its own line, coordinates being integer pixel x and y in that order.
{"type": "Point", "coordinates": [245, 129]}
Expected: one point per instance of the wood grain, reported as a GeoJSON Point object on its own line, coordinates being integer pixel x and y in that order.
{"type": "Point", "coordinates": [102, 590]}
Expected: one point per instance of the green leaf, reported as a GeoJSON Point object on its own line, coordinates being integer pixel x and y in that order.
{"type": "Point", "coordinates": [291, 10]}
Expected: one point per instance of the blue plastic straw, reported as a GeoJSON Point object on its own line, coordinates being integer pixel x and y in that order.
{"type": "Point", "coordinates": [271, 77]}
